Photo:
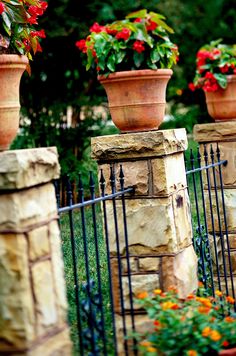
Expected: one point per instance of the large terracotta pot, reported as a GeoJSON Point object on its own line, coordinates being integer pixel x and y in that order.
{"type": "Point", "coordinates": [221, 104]}
{"type": "Point", "coordinates": [11, 69]}
{"type": "Point", "coordinates": [137, 98]}
{"type": "Point", "coordinates": [229, 352]}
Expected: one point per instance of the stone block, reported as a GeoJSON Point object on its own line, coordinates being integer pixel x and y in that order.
{"type": "Point", "coordinates": [135, 174]}
{"type": "Point", "coordinates": [230, 209]}
{"type": "Point", "coordinates": [38, 243]}
{"type": "Point", "coordinates": [45, 299]}
{"type": "Point", "coordinates": [133, 265]}
{"type": "Point", "coordinates": [17, 316]}
{"type": "Point", "coordinates": [217, 131]}
{"type": "Point", "coordinates": [25, 208]}
{"type": "Point", "coordinates": [140, 144]}
{"type": "Point", "coordinates": [155, 226]}
{"type": "Point", "coordinates": [56, 345]}
{"type": "Point", "coordinates": [225, 260]}
{"type": "Point", "coordinates": [231, 286]}
{"type": "Point", "coordinates": [168, 174]}
{"type": "Point", "coordinates": [180, 271]}
{"type": "Point", "coordinates": [149, 264]}
{"type": "Point", "coordinates": [27, 168]}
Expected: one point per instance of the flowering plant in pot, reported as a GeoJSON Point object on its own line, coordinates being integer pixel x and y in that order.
{"type": "Point", "coordinates": [216, 75]}
{"type": "Point", "coordinates": [19, 41]}
{"type": "Point", "coordinates": [199, 325]}
{"type": "Point", "coordinates": [138, 46]}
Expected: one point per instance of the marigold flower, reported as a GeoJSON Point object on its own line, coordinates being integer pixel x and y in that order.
{"type": "Point", "coordinates": [204, 310]}
{"type": "Point", "coordinates": [230, 299]}
{"type": "Point", "coordinates": [157, 291]}
{"type": "Point", "coordinates": [191, 296]}
{"type": "Point", "coordinates": [229, 319]}
{"type": "Point", "coordinates": [145, 343]}
{"type": "Point", "coordinates": [142, 295]}
{"type": "Point", "coordinates": [169, 305]}
{"type": "Point", "coordinates": [206, 331]}
{"type": "Point", "coordinates": [151, 349]}
{"type": "Point", "coordinates": [218, 293]}
{"type": "Point", "coordinates": [192, 353]}
{"type": "Point", "coordinates": [215, 335]}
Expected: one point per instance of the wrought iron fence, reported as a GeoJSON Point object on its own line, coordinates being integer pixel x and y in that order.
{"type": "Point", "coordinates": [86, 246]}
{"type": "Point", "coordinates": [209, 218]}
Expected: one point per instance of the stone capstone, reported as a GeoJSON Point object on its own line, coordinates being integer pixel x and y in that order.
{"type": "Point", "coordinates": [217, 131]}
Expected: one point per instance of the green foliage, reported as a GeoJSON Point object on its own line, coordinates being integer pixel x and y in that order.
{"type": "Point", "coordinates": [196, 326]}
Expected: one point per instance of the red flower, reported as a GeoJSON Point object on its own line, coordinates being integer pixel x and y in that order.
{"type": "Point", "coordinates": [124, 34]}
{"type": "Point", "coordinates": [138, 19]}
{"type": "Point", "coordinates": [2, 8]}
{"type": "Point", "coordinates": [40, 34]}
{"type": "Point", "coordinates": [97, 28]}
{"type": "Point", "coordinates": [193, 88]}
{"type": "Point", "coordinates": [32, 20]}
{"type": "Point", "coordinates": [225, 343]}
{"type": "Point", "coordinates": [138, 46]}
{"type": "Point", "coordinates": [43, 5]}
{"type": "Point", "coordinates": [81, 45]}
{"type": "Point", "coordinates": [225, 68]}
{"type": "Point", "coordinates": [35, 11]}
{"type": "Point", "coordinates": [151, 26]}
{"type": "Point", "coordinates": [111, 31]}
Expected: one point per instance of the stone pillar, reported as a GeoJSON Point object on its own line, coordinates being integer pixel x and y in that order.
{"type": "Point", "coordinates": [33, 306]}
{"type": "Point", "coordinates": [222, 134]}
{"type": "Point", "coordinates": [158, 214]}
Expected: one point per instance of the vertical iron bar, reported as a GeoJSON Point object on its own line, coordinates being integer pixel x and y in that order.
{"type": "Point", "coordinates": [198, 243]}
{"type": "Point", "coordinates": [92, 190]}
{"type": "Point", "coordinates": [113, 189]}
{"type": "Point", "coordinates": [102, 186]}
{"type": "Point", "coordinates": [56, 183]}
{"type": "Point", "coordinates": [81, 200]}
{"type": "Point", "coordinates": [121, 176]}
{"type": "Point", "coordinates": [74, 259]}
{"type": "Point", "coordinates": [212, 215]}
{"type": "Point", "coordinates": [226, 225]}
{"type": "Point", "coordinates": [219, 219]}
{"type": "Point", "coordinates": [206, 237]}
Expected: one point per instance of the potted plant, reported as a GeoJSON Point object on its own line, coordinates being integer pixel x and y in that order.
{"type": "Point", "coordinates": [216, 75]}
{"type": "Point", "coordinates": [18, 42]}
{"type": "Point", "coordinates": [133, 58]}
{"type": "Point", "coordinates": [199, 325]}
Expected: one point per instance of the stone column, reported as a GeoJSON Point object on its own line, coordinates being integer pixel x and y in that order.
{"type": "Point", "coordinates": [222, 134]}
{"type": "Point", "coordinates": [33, 306]}
{"type": "Point", "coordinates": [158, 214]}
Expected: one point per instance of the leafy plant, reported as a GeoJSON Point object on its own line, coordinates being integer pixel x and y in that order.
{"type": "Point", "coordinates": [199, 325]}
{"type": "Point", "coordinates": [214, 62]}
{"type": "Point", "coordinates": [140, 41]}
{"type": "Point", "coordinates": [17, 31]}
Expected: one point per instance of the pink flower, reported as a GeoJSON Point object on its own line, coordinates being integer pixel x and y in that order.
{"type": "Point", "coordinates": [2, 8]}
{"type": "Point", "coordinates": [138, 46]}
{"type": "Point", "coordinates": [124, 34]}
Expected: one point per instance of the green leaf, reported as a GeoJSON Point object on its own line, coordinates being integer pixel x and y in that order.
{"type": "Point", "coordinates": [138, 59]}
{"type": "Point", "coordinates": [155, 56]}
{"type": "Point", "coordinates": [111, 62]}
{"type": "Point", "coordinates": [137, 14]}
{"type": "Point", "coordinates": [6, 22]}
{"type": "Point", "coordinates": [90, 59]}
{"type": "Point", "coordinates": [161, 23]}
{"type": "Point", "coordinates": [156, 15]}
{"type": "Point", "coordinates": [120, 56]}
{"type": "Point", "coordinates": [221, 79]}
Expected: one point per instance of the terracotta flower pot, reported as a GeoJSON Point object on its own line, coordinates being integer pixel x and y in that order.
{"type": "Point", "coordinates": [221, 104]}
{"type": "Point", "coordinates": [229, 352]}
{"type": "Point", "coordinates": [137, 98]}
{"type": "Point", "coordinates": [11, 69]}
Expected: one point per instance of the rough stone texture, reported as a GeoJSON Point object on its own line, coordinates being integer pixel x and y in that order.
{"type": "Point", "coordinates": [142, 324]}
{"type": "Point", "coordinates": [230, 208]}
{"type": "Point", "coordinates": [17, 319]}
{"type": "Point", "coordinates": [27, 168]}
{"type": "Point", "coordinates": [223, 258]}
{"type": "Point", "coordinates": [38, 243]}
{"type": "Point", "coordinates": [168, 174]}
{"type": "Point", "coordinates": [136, 174]}
{"type": "Point", "coordinates": [223, 285]}
{"type": "Point", "coordinates": [43, 285]}
{"type": "Point", "coordinates": [232, 240]}
{"type": "Point", "coordinates": [149, 264]}
{"type": "Point", "coordinates": [57, 345]}
{"type": "Point", "coordinates": [27, 207]}
{"type": "Point", "coordinates": [180, 272]}
{"type": "Point", "coordinates": [136, 145]}
{"type": "Point", "coordinates": [155, 226]}
{"type": "Point", "coordinates": [217, 131]}
{"type": "Point", "coordinates": [133, 265]}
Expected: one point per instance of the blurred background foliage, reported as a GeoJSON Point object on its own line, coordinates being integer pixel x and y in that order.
{"type": "Point", "coordinates": [59, 84]}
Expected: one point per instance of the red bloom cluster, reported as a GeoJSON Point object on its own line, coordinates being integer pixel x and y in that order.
{"type": "Point", "coordinates": [203, 55]}
{"type": "Point", "coordinates": [97, 28]}
{"type": "Point", "coordinates": [81, 44]}
{"type": "Point", "coordinates": [124, 34]}
{"type": "Point", "coordinates": [2, 8]}
{"type": "Point", "coordinates": [151, 26]}
{"type": "Point", "coordinates": [138, 46]}
{"type": "Point", "coordinates": [36, 11]}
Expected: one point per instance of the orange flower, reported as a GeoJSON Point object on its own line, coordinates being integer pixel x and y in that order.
{"type": "Point", "coordinates": [145, 343]}
{"type": "Point", "coordinates": [157, 324]}
{"type": "Point", "coordinates": [206, 331]}
{"type": "Point", "coordinates": [230, 300]}
{"type": "Point", "coordinates": [200, 284]}
{"type": "Point", "coordinates": [204, 301]}
{"type": "Point", "coordinates": [168, 305]}
{"type": "Point", "coordinates": [215, 335]}
{"type": "Point", "coordinates": [151, 349]}
{"type": "Point", "coordinates": [225, 343]}
{"type": "Point", "coordinates": [157, 291]}
{"type": "Point", "coordinates": [192, 353]}
{"type": "Point", "coordinates": [203, 310]}
{"type": "Point", "coordinates": [229, 319]}
{"type": "Point", "coordinates": [190, 296]}
{"type": "Point", "coordinates": [219, 293]}
{"type": "Point", "coordinates": [142, 295]}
